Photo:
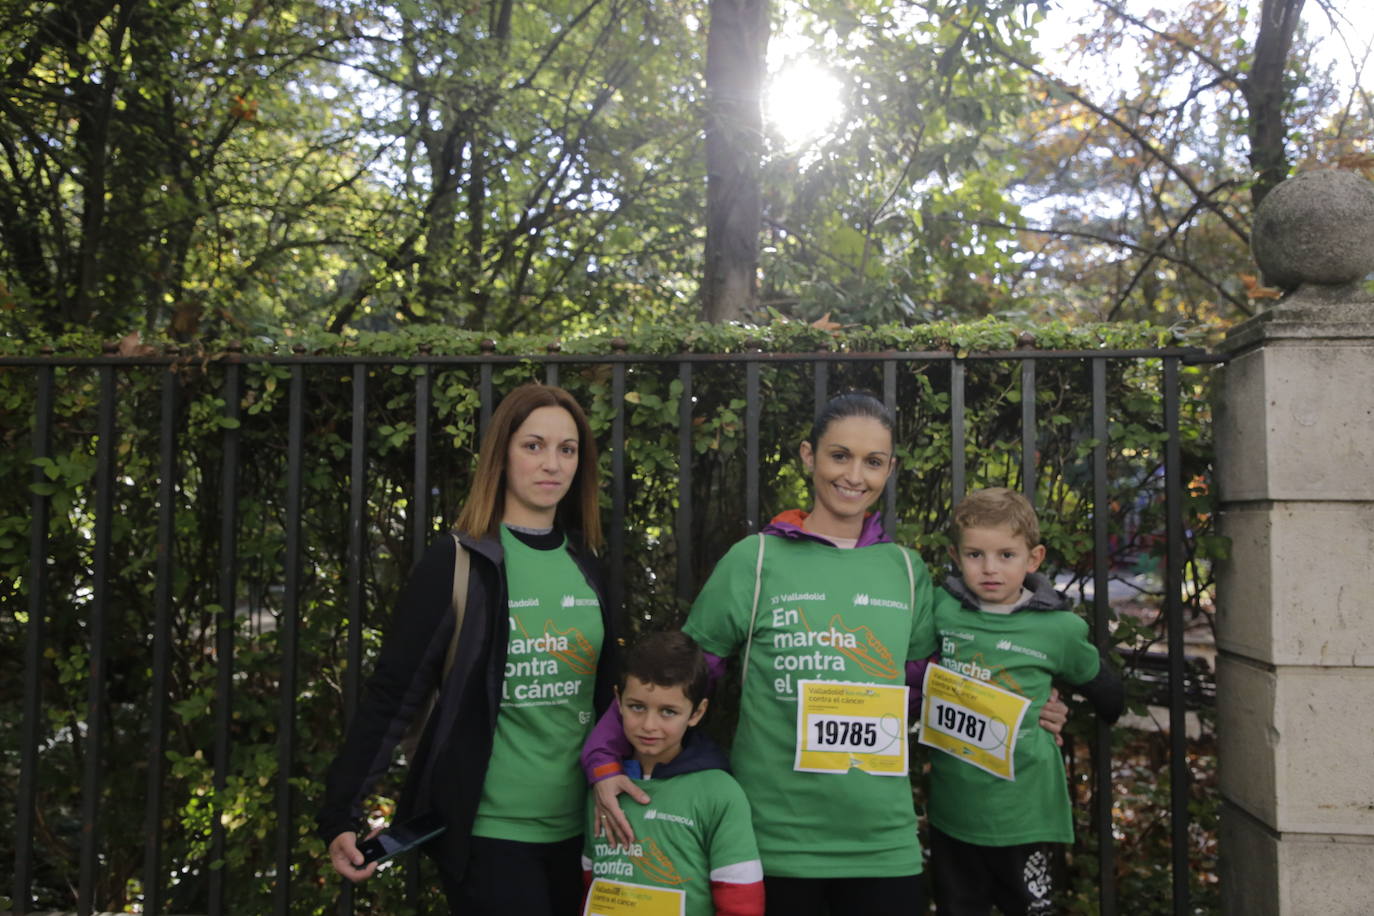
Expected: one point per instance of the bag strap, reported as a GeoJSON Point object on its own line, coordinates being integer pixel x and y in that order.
{"type": "Point", "coordinates": [910, 582]}
{"type": "Point", "coordinates": [754, 612]}
{"type": "Point", "coordinates": [462, 567]}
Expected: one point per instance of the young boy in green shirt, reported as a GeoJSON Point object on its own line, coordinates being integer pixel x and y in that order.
{"type": "Point", "coordinates": [998, 795]}
{"type": "Point", "coordinates": [693, 851]}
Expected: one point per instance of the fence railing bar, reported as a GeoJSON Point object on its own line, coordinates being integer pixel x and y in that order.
{"type": "Point", "coordinates": [357, 495]}
{"type": "Point", "coordinates": [421, 530]}
{"type": "Point", "coordinates": [39, 512]}
{"type": "Point", "coordinates": [753, 413]}
{"type": "Point", "coordinates": [224, 634]}
{"type": "Point", "coordinates": [289, 629]}
{"type": "Point", "coordinates": [484, 395]}
{"type": "Point", "coordinates": [1029, 439]}
{"type": "Point", "coordinates": [820, 381]}
{"type": "Point", "coordinates": [617, 585]}
{"type": "Point", "coordinates": [422, 524]}
{"type": "Point", "coordinates": [1190, 355]}
{"type": "Point", "coordinates": [98, 620]}
{"type": "Point", "coordinates": [956, 432]}
{"type": "Point", "coordinates": [412, 878]}
{"type": "Point", "coordinates": [1179, 775]}
{"type": "Point", "coordinates": [162, 645]}
{"type": "Point", "coordinates": [686, 582]}
{"type": "Point", "coordinates": [1102, 614]}
{"type": "Point", "coordinates": [890, 496]}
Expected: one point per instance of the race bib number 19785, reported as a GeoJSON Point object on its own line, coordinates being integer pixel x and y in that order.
{"type": "Point", "coordinates": [843, 726]}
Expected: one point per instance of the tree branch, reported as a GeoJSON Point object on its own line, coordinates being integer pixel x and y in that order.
{"type": "Point", "coordinates": [1129, 130]}
{"type": "Point", "coordinates": [1223, 72]}
{"type": "Point", "coordinates": [1128, 245]}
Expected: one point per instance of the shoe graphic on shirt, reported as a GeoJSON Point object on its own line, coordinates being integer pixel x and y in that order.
{"type": "Point", "coordinates": [580, 656]}
{"type": "Point", "coordinates": [872, 657]}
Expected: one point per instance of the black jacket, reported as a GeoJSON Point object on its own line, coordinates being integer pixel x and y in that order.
{"type": "Point", "coordinates": [451, 759]}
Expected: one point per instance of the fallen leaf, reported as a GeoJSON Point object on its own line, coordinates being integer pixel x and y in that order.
{"type": "Point", "coordinates": [131, 345]}
{"type": "Point", "coordinates": [825, 324]}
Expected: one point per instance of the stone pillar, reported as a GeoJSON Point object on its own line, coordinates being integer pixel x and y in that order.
{"type": "Point", "coordinates": [1294, 431]}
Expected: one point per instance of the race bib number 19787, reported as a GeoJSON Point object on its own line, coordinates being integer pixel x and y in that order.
{"type": "Point", "coordinates": [971, 720]}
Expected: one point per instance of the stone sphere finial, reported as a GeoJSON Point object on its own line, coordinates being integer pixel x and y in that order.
{"type": "Point", "coordinates": [1315, 228]}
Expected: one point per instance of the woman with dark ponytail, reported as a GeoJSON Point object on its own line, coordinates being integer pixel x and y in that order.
{"type": "Point", "coordinates": [824, 611]}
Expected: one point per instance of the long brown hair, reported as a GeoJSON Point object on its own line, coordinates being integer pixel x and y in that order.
{"type": "Point", "coordinates": [579, 510]}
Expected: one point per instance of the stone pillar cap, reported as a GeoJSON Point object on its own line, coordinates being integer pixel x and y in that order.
{"type": "Point", "coordinates": [1316, 228]}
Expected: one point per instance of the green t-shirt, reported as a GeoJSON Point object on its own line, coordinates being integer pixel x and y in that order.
{"type": "Point", "coordinates": [696, 827]}
{"type": "Point", "coordinates": [829, 614]}
{"type": "Point", "coordinates": [534, 791]}
{"type": "Point", "coordinates": [1021, 652]}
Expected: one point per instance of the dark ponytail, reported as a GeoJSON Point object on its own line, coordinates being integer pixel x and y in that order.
{"type": "Point", "coordinates": [846, 405]}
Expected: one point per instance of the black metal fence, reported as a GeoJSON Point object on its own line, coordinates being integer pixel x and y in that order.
{"type": "Point", "coordinates": [172, 475]}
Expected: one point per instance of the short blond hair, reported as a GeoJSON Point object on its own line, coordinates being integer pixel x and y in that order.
{"type": "Point", "coordinates": [996, 506]}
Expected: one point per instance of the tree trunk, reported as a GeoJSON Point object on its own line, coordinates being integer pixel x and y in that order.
{"type": "Point", "coordinates": [736, 44]}
{"type": "Point", "coordinates": [1266, 95]}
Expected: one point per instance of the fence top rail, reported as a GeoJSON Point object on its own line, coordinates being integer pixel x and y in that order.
{"type": "Point", "coordinates": [1189, 355]}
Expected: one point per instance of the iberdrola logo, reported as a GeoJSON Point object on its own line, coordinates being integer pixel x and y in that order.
{"type": "Point", "coordinates": [569, 601]}
{"type": "Point", "coordinates": [861, 600]}
{"type": "Point", "coordinates": [1004, 645]}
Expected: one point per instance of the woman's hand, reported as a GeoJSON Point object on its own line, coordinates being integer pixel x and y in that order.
{"type": "Point", "coordinates": [611, 822]}
{"type": "Point", "coordinates": [347, 859]}
{"type": "Point", "coordinates": [1054, 715]}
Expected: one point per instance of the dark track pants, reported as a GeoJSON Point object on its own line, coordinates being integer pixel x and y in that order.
{"type": "Point", "coordinates": [968, 880]}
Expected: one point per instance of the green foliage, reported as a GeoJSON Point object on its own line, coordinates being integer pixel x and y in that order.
{"type": "Point", "coordinates": [654, 484]}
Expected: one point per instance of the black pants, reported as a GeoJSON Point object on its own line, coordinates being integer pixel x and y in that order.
{"type": "Point", "coordinates": [969, 880]}
{"type": "Point", "coordinates": [506, 877]}
{"type": "Point", "coordinates": [904, 896]}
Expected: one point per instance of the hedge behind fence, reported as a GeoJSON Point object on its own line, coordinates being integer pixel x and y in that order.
{"type": "Point", "coordinates": [993, 450]}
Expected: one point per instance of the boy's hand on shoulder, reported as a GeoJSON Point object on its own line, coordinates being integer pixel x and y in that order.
{"type": "Point", "coordinates": [610, 820]}
{"type": "Point", "coordinates": [1054, 715]}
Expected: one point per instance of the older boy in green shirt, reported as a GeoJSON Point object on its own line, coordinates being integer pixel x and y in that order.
{"type": "Point", "coordinates": [998, 795]}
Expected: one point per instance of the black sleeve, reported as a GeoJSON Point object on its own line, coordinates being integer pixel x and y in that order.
{"type": "Point", "coordinates": [1105, 692]}
{"type": "Point", "coordinates": [408, 670]}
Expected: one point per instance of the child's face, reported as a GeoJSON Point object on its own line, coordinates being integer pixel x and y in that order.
{"type": "Point", "coordinates": [655, 719]}
{"type": "Point", "coordinates": [995, 561]}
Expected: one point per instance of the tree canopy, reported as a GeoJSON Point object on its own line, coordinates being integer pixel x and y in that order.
{"type": "Point", "coordinates": [236, 169]}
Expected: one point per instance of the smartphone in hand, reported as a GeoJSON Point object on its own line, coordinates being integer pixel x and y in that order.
{"type": "Point", "coordinates": [399, 838]}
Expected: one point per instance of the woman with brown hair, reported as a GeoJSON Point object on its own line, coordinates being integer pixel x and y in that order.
{"type": "Point", "coordinates": [514, 695]}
